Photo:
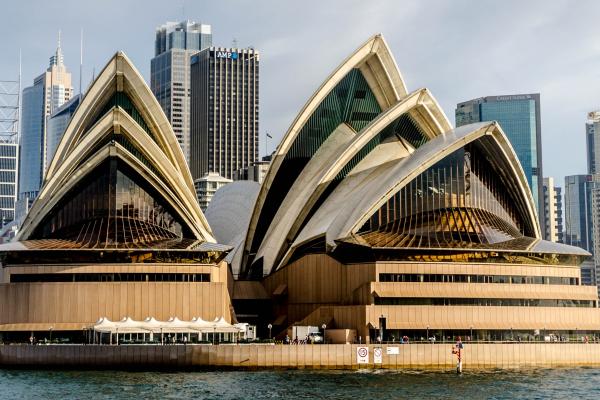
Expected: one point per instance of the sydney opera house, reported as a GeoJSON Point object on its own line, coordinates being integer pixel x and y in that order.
{"type": "Point", "coordinates": [375, 216]}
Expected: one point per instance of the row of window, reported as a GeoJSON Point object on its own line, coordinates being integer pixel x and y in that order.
{"type": "Point", "coordinates": [416, 301]}
{"type": "Point", "coordinates": [115, 277]}
{"type": "Point", "coordinates": [7, 176]}
{"type": "Point", "coordinates": [7, 163]}
{"type": "Point", "coordinates": [463, 278]}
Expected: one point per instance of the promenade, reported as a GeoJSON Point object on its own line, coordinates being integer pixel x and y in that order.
{"type": "Point", "coordinates": [416, 356]}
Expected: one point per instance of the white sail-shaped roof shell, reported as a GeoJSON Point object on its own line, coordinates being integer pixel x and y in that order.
{"type": "Point", "coordinates": [160, 159]}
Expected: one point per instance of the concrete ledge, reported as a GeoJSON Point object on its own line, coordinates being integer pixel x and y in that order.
{"type": "Point", "coordinates": [418, 356]}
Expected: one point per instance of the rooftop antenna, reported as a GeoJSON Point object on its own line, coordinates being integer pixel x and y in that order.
{"type": "Point", "coordinates": [80, 60]}
{"type": "Point", "coordinates": [234, 43]}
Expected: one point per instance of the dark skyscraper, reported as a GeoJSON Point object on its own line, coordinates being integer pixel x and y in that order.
{"type": "Point", "coordinates": [592, 133]}
{"type": "Point", "coordinates": [170, 72]}
{"type": "Point", "coordinates": [224, 123]}
{"type": "Point", "coordinates": [519, 117]}
{"type": "Point", "coordinates": [578, 211]}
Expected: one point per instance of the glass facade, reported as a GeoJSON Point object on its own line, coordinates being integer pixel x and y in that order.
{"type": "Point", "coordinates": [110, 277]}
{"type": "Point", "coordinates": [170, 73]}
{"type": "Point", "coordinates": [56, 125]}
{"type": "Point", "coordinates": [351, 102]}
{"type": "Point", "coordinates": [578, 211]}
{"type": "Point", "coordinates": [458, 202]}
{"type": "Point", "coordinates": [592, 130]}
{"type": "Point", "coordinates": [465, 278]}
{"type": "Point", "coordinates": [417, 301]}
{"type": "Point", "coordinates": [519, 117]}
{"type": "Point", "coordinates": [112, 207]}
{"type": "Point", "coordinates": [49, 92]}
{"type": "Point", "coordinates": [182, 35]}
{"type": "Point", "coordinates": [32, 125]}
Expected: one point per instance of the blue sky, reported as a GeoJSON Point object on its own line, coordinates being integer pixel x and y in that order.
{"type": "Point", "coordinates": [458, 49]}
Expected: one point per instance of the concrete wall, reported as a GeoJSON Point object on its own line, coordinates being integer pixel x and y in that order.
{"type": "Point", "coordinates": [411, 356]}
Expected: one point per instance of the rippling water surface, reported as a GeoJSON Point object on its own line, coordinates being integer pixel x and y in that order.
{"type": "Point", "coordinates": [530, 384]}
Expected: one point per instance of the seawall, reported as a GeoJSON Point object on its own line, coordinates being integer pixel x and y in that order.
{"type": "Point", "coordinates": [410, 356]}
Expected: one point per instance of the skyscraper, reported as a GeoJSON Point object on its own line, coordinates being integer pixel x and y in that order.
{"type": "Point", "coordinates": [578, 211]}
{"type": "Point", "coordinates": [170, 72]}
{"type": "Point", "coordinates": [10, 100]}
{"type": "Point", "coordinates": [553, 211]}
{"type": "Point", "coordinates": [560, 226]}
{"type": "Point", "coordinates": [56, 125]}
{"type": "Point", "coordinates": [50, 90]}
{"type": "Point", "coordinates": [592, 133]}
{"type": "Point", "coordinates": [224, 129]}
{"type": "Point", "coordinates": [592, 136]}
{"type": "Point", "coordinates": [519, 117]}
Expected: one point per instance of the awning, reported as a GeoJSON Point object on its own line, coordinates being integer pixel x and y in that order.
{"type": "Point", "coordinates": [173, 325]}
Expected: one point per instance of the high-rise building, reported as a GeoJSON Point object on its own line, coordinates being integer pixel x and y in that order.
{"type": "Point", "coordinates": [578, 211]}
{"type": "Point", "coordinates": [559, 214]}
{"type": "Point", "coordinates": [10, 99]}
{"type": "Point", "coordinates": [50, 90]}
{"type": "Point", "coordinates": [519, 117]}
{"type": "Point", "coordinates": [592, 133]}
{"type": "Point", "coordinates": [206, 187]}
{"type": "Point", "coordinates": [170, 72]}
{"type": "Point", "coordinates": [588, 273]}
{"type": "Point", "coordinates": [56, 125]}
{"type": "Point", "coordinates": [553, 211]}
{"type": "Point", "coordinates": [224, 123]}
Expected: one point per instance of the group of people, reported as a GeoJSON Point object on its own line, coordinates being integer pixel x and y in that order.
{"type": "Point", "coordinates": [307, 340]}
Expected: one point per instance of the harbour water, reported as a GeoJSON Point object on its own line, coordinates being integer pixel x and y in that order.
{"type": "Point", "coordinates": [582, 383]}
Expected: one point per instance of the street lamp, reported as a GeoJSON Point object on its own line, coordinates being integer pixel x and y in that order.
{"type": "Point", "coordinates": [471, 333]}
{"type": "Point", "coordinates": [270, 326]}
{"type": "Point", "coordinates": [324, 326]}
{"type": "Point", "coordinates": [427, 332]}
{"type": "Point", "coordinates": [50, 329]}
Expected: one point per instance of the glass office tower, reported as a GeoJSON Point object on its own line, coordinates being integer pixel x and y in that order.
{"type": "Point", "coordinates": [578, 211]}
{"type": "Point", "coordinates": [56, 125]}
{"type": "Point", "coordinates": [519, 117]}
{"type": "Point", "coordinates": [50, 90]}
{"type": "Point", "coordinates": [170, 72]}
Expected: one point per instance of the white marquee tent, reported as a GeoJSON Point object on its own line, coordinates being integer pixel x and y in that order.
{"type": "Point", "coordinates": [174, 326]}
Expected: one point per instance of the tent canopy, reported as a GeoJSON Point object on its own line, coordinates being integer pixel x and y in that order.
{"type": "Point", "coordinates": [173, 325]}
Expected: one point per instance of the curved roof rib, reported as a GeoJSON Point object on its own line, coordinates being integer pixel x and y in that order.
{"type": "Point", "coordinates": [338, 157]}
{"type": "Point", "coordinates": [371, 65]}
{"type": "Point", "coordinates": [376, 193]}
{"type": "Point", "coordinates": [101, 129]}
{"type": "Point", "coordinates": [120, 76]}
{"type": "Point", "coordinates": [363, 193]}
